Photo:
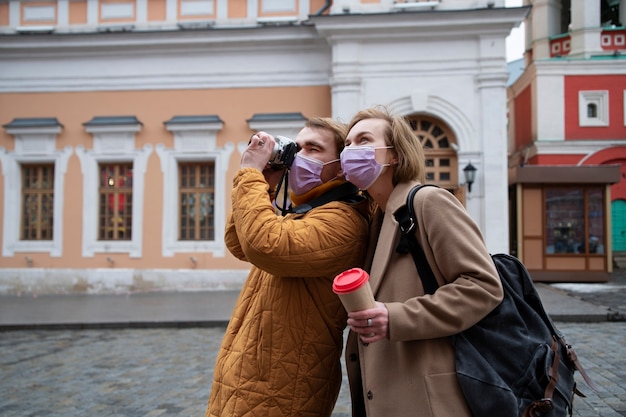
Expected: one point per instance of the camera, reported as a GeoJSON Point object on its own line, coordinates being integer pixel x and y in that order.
{"type": "Point", "coordinates": [283, 153]}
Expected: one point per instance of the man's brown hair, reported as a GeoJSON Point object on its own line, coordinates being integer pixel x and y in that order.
{"type": "Point", "coordinates": [339, 130]}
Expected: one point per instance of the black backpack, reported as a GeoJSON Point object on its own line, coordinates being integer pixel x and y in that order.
{"type": "Point", "coordinates": [514, 362]}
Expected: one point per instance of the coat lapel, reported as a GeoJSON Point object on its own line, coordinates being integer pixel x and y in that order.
{"type": "Point", "coordinates": [389, 235]}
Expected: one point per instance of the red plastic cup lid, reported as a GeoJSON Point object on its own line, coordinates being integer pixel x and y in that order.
{"type": "Point", "coordinates": [350, 280]}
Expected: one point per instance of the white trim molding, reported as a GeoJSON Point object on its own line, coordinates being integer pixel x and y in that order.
{"type": "Point", "coordinates": [599, 100]}
{"type": "Point", "coordinates": [35, 142]}
{"type": "Point", "coordinates": [114, 141]}
{"type": "Point", "coordinates": [194, 140]}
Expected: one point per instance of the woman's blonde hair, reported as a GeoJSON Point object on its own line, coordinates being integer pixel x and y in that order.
{"type": "Point", "coordinates": [409, 151]}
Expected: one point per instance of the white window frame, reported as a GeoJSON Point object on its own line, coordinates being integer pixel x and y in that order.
{"type": "Point", "coordinates": [196, 8]}
{"type": "Point", "coordinates": [278, 12]}
{"type": "Point", "coordinates": [113, 143]}
{"type": "Point", "coordinates": [39, 13]}
{"type": "Point", "coordinates": [278, 6]}
{"type": "Point", "coordinates": [32, 145]}
{"type": "Point", "coordinates": [601, 99]}
{"type": "Point", "coordinates": [115, 11]}
{"type": "Point", "coordinates": [194, 141]}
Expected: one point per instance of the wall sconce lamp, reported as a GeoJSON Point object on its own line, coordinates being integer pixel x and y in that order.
{"type": "Point", "coordinates": [29, 261]}
{"type": "Point", "coordinates": [111, 262]}
{"type": "Point", "coordinates": [193, 261]}
{"type": "Point", "coordinates": [470, 176]}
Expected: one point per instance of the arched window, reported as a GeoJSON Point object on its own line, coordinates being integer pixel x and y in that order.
{"type": "Point", "coordinates": [441, 158]}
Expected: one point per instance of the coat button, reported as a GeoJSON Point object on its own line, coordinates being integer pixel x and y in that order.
{"type": "Point", "coordinates": [354, 357]}
{"type": "Point", "coordinates": [370, 395]}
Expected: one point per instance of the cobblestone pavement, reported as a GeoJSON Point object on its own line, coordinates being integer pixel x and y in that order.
{"type": "Point", "coordinates": [167, 371]}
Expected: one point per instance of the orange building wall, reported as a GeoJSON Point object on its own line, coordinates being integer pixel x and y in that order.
{"type": "Point", "coordinates": [78, 12]}
{"type": "Point", "coordinates": [316, 5]}
{"type": "Point", "coordinates": [152, 108]}
{"type": "Point", "coordinates": [157, 10]}
{"type": "Point", "coordinates": [615, 85]}
{"type": "Point", "coordinates": [237, 10]}
{"type": "Point", "coordinates": [4, 14]}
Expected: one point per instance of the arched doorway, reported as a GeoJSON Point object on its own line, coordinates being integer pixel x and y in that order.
{"type": "Point", "coordinates": [441, 157]}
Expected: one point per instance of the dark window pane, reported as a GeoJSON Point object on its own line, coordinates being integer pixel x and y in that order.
{"type": "Point", "coordinates": [115, 201]}
{"type": "Point", "coordinates": [37, 211]}
{"type": "Point", "coordinates": [196, 200]}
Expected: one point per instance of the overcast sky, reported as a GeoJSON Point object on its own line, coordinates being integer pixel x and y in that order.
{"type": "Point", "coordinates": [515, 41]}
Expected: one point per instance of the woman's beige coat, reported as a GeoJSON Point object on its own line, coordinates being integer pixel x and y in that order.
{"type": "Point", "coordinates": [413, 372]}
{"type": "Point", "coordinates": [281, 352]}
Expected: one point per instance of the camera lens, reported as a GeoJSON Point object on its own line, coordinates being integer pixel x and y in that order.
{"type": "Point", "coordinates": [284, 152]}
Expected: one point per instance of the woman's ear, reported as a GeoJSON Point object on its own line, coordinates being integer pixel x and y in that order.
{"type": "Point", "coordinates": [394, 158]}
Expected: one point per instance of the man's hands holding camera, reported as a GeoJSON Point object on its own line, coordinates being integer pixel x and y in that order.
{"type": "Point", "coordinates": [258, 154]}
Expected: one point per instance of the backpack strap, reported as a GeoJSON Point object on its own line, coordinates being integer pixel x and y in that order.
{"type": "Point", "coordinates": [346, 192]}
{"type": "Point", "coordinates": [405, 216]}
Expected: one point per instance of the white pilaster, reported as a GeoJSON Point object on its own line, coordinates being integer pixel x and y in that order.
{"type": "Point", "coordinates": [485, 202]}
{"type": "Point", "coordinates": [63, 11]}
{"type": "Point", "coordinates": [585, 28]}
{"type": "Point", "coordinates": [549, 113]}
{"type": "Point", "coordinates": [171, 11]}
{"type": "Point", "coordinates": [142, 12]}
{"type": "Point", "coordinates": [14, 13]}
{"type": "Point", "coordinates": [221, 14]}
{"type": "Point", "coordinates": [92, 12]}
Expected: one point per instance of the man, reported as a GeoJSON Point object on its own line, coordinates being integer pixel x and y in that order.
{"type": "Point", "coordinates": [281, 351]}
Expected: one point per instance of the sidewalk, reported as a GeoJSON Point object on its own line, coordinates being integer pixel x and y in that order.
{"type": "Point", "coordinates": [205, 309]}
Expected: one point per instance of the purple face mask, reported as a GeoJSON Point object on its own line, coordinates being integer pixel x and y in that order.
{"type": "Point", "coordinates": [359, 165]}
{"type": "Point", "coordinates": [305, 173]}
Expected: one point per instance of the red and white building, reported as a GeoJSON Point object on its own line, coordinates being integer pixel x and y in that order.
{"type": "Point", "coordinates": [567, 140]}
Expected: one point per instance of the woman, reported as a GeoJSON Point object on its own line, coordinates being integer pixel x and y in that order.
{"type": "Point", "coordinates": [399, 357]}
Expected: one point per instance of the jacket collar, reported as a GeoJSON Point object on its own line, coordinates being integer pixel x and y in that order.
{"type": "Point", "coordinates": [389, 233]}
{"type": "Point", "coordinates": [298, 200]}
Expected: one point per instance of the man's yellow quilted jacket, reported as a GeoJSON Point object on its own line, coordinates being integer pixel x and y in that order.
{"type": "Point", "coordinates": [281, 351]}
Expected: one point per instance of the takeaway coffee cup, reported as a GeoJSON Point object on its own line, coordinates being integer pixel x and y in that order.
{"type": "Point", "coordinates": [354, 291]}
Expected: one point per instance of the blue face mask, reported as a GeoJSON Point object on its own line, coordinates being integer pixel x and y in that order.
{"type": "Point", "coordinates": [305, 173]}
{"type": "Point", "coordinates": [359, 165]}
